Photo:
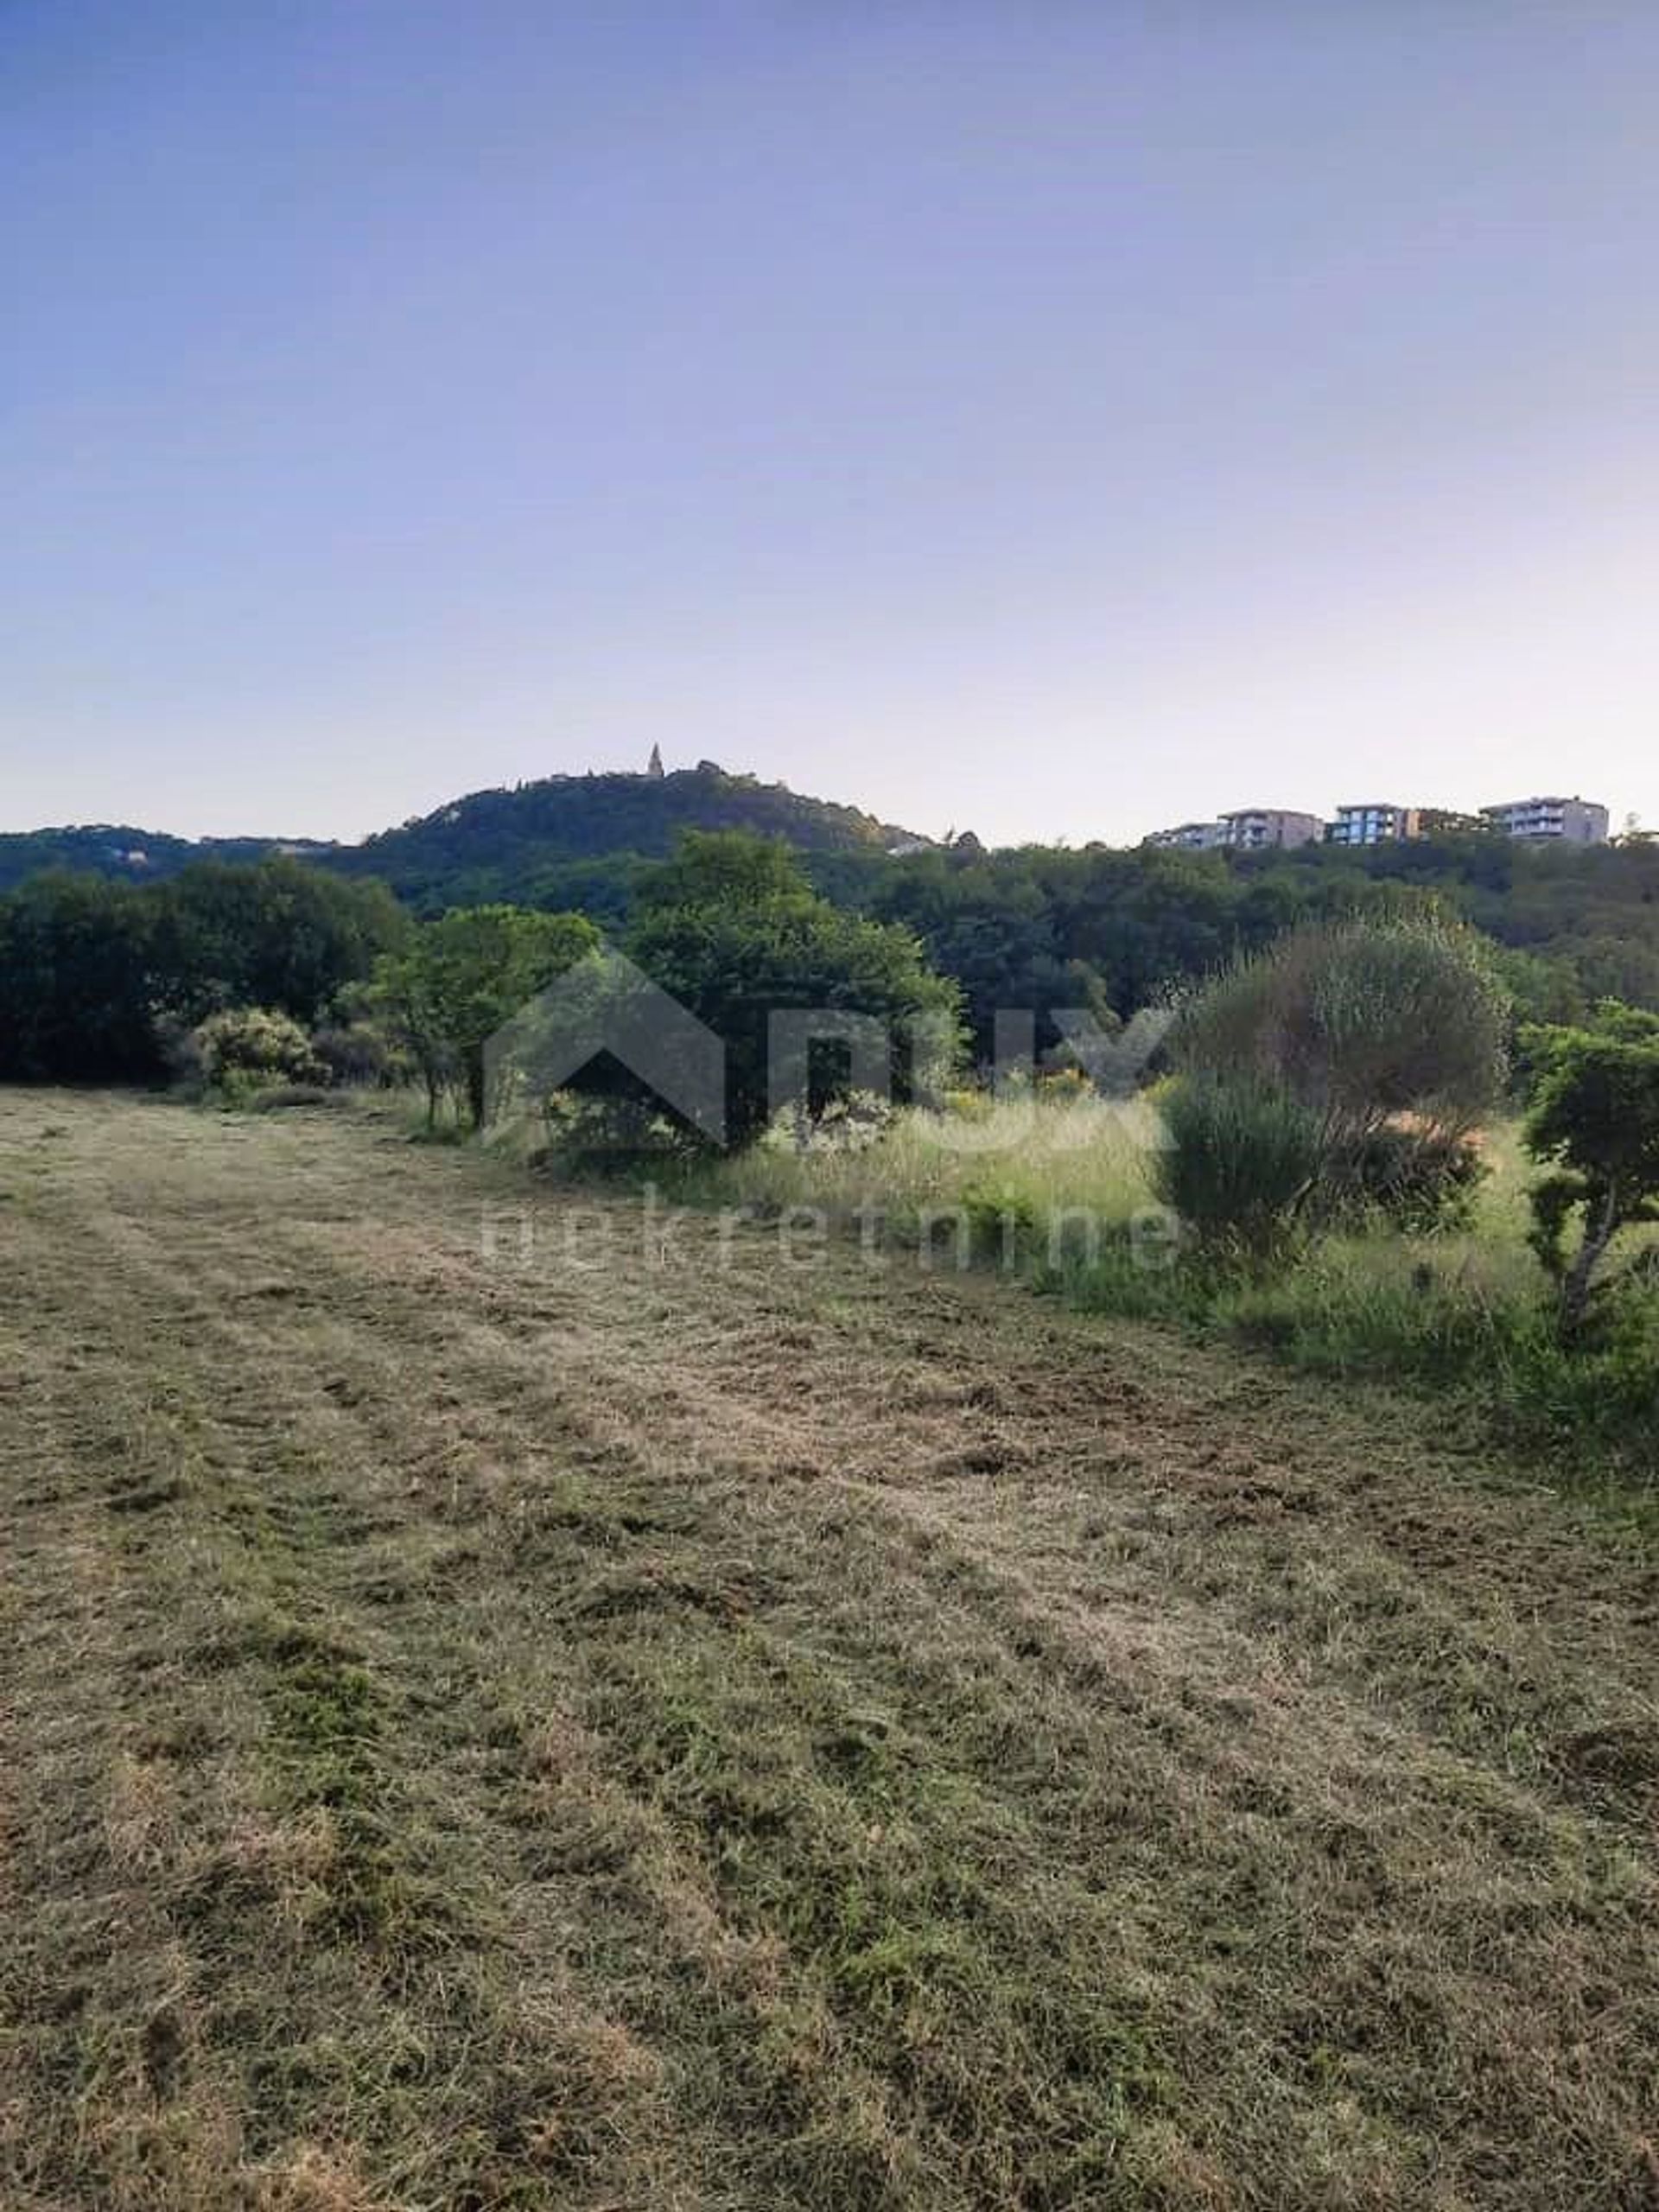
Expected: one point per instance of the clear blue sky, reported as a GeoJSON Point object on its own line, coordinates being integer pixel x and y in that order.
{"type": "Point", "coordinates": [1056, 417]}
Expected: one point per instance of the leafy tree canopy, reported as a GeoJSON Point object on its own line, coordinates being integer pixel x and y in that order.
{"type": "Point", "coordinates": [733, 930]}
{"type": "Point", "coordinates": [464, 977]}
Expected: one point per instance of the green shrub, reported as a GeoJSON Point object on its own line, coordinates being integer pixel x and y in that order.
{"type": "Point", "coordinates": [359, 1054]}
{"type": "Point", "coordinates": [1003, 1221]}
{"type": "Point", "coordinates": [1242, 1156]}
{"type": "Point", "coordinates": [246, 1048]}
{"type": "Point", "coordinates": [1363, 1019]}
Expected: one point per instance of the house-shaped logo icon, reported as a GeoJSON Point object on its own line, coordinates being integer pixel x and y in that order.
{"type": "Point", "coordinates": [604, 1005]}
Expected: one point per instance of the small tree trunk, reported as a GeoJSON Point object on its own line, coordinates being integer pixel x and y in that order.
{"type": "Point", "coordinates": [475, 1087]}
{"type": "Point", "coordinates": [1599, 1232]}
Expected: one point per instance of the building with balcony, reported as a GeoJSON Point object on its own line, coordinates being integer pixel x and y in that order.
{"type": "Point", "coordinates": [1259, 829]}
{"type": "Point", "coordinates": [1372, 823]}
{"type": "Point", "coordinates": [1565, 821]}
{"type": "Point", "coordinates": [1247, 829]}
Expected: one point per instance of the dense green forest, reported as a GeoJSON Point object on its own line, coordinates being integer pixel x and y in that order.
{"type": "Point", "coordinates": [98, 980]}
{"type": "Point", "coordinates": [1042, 926]}
{"type": "Point", "coordinates": [93, 968]}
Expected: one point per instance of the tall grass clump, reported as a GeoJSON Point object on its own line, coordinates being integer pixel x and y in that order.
{"type": "Point", "coordinates": [1049, 1164]}
{"type": "Point", "coordinates": [1240, 1156]}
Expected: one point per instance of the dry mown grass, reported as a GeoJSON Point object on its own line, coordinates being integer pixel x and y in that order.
{"type": "Point", "coordinates": [490, 1735]}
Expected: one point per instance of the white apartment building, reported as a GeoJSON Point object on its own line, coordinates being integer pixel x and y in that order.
{"type": "Point", "coordinates": [1378, 822]}
{"type": "Point", "coordinates": [1572, 821]}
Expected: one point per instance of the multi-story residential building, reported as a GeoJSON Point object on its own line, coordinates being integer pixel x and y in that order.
{"type": "Point", "coordinates": [1372, 824]}
{"type": "Point", "coordinates": [1375, 822]}
{"type": "Point", "coordinates": [1190, 837]}
{"type": "Point", "coordinates": [1572, 821]}
{"type": "Point", "coordinates": [1254, 829]}
{"type": "Point", "coordinates": [1247, 829]}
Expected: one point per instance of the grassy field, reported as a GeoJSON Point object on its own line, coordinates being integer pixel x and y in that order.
{"type": "Point", "coordinates": [558, 1708]}
{"type": "Point", "coordinates": [1062, 1191]}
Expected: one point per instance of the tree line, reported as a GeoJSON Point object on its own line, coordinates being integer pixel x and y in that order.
{"type": "Point", "coordinates": [278, 969]}
{"type": "Point", "coordinates": [1032, 927]}
{"type": "Point", "coordinates": [96, 975]}
{"type": "Point", "coordinates": [99, 979]}
{"type": "Point", "coordinates": [1038, 925]}
{"type": "Point", "coordinates": [1045, 926]}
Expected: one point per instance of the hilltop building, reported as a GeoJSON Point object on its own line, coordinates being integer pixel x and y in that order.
{"type": "Point", "coordinates": [1373, 821]}
{"type": "Point", "coordinates": [1256, 829]}
{"type": "Point", "coordinates": [1247, 829]}
{"type": "Point", "coordinates": [1564, 821]}
{"type": "Point", "coordinates": [1380, 821]}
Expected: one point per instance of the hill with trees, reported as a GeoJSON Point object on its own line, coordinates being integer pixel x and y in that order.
{"type": "Point", "coordinates": [514, 843]}
{"type": "Point", "coordinates": [528, 843]}
{"type": "Point", "coordinates": [122, 854]}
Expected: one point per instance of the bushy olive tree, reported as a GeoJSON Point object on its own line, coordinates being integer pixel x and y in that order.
{"type": "Point", "coordinates": [1387, 1032]}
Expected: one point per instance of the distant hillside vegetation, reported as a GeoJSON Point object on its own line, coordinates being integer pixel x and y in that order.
{"type": "Point", "coordinates": [130, 855]}
{"type": "Point", "coordinates": [509, 843]}
{"type": "Point", "coordinates": [1034, 926]}
{"type": "Point", "coordinates": [520, 844]}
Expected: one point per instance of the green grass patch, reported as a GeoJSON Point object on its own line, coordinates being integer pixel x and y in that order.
{"type": "Point", "coordinates": [331, 1725]}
